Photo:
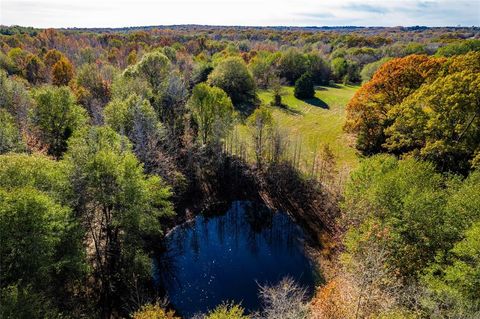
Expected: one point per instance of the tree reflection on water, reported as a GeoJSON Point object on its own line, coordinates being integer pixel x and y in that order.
{"type": "Point", "coordinates": [217, 257]}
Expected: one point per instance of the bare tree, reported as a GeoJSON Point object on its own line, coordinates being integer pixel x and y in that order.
{"type": "Point", "coordinates": [260, 124]}
{"type": "Point", "coordinates": [279, 144]}
{"type": "Point", "coordinates": [286, 300]}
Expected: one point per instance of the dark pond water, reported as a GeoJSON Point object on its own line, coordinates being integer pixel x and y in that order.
{"type": "Point", "coordinates": [225, 257]}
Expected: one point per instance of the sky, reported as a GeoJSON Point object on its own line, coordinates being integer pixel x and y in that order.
{"type": "Point", "coordinates": [122, 13]}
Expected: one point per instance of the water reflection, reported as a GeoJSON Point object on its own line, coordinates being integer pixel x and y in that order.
{"type": "Point", "coordinates": [224, 257]}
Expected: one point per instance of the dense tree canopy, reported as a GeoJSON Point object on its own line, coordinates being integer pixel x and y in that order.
{"type": "Point", "coordinates": [118, 204]}
{"type": "Point", "coordinates": [367, 112]}
{"type": "Point", "coordinates": [57, 116]}
{"type": "Point", "coordinates": [153, 67]}
{"type": "Point", "coordinates": [292, 64]}
{"type": "Point", "coordinates": [14, 98]}
{"type": "Point", "coordinates": [233, 77]}
{"type": "Point", "coordinates": [41, 253]}
{"type": "Point", "coordinates": [10, 137]}
{"type": "Point", "coordinates": [440, 122]}
{"type": "Point", "coordinates": [213, 112]}
{"type": "Point", "coordinates": [34, 70]}
{"type": "Point", "coordinates": [422, 107]}
{"type": "Point", "coordinates": [413, 212]}
{"type": "Point", "coordinates": [455, 283]}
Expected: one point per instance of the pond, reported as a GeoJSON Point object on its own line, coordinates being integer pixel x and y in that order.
{"type": "Point", "coordinates": [225, 257]}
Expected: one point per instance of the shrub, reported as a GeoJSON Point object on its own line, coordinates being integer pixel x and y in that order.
{"type": "Point", "coordinates": [304, 88]}
{"type": "Point", "coordinates": [227, 311]}
{"type": "Point", "coordinates": [153, 311]}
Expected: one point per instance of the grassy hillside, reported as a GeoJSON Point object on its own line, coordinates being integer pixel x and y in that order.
{"type": "Point", "coordinates": [314, 122]}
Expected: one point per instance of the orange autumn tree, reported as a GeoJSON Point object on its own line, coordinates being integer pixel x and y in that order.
{"type": "Point", "coordinates": [367, 112]}
{"type": "Point", "coordinates": [51, 57]}
{"type": "Point", "coordinates": [440, 122]}
{"type": "Point", "coordinates": [62, 72]}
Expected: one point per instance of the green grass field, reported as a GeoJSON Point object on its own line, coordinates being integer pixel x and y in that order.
{"type": "Point", "coordinates": [314, 122]}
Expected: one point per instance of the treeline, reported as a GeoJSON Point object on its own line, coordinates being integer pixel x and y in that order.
{"type": "Point", "coordinates": [328, 55]}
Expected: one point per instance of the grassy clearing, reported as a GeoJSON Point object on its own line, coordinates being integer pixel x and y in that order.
{"type": "Point", "coordinates": [314, 122]}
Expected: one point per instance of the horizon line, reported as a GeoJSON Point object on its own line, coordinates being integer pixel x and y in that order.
{"type": "Point", "coordinates": [243, 26]}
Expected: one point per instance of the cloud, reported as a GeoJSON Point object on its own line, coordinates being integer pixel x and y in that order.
{"type": "Point", "coordinates": [118, 13]}
{"type": "Point", "coordinates": [316, 15]}
{"type": "Point", "coordinates": [366, 8]}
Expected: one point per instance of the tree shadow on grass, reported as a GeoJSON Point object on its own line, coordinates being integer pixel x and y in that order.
{"type": "Point", "coordinates": [287, 109]}
{"type": "Point", "coordinates": [315, 101]}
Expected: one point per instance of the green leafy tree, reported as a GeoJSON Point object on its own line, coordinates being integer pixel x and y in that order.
{"type": "Point", "coordinates": [213, 112]}
{"type": "Point", "coordinates": [124, 116]}
{"type": "Point", "coordinates": [57, 116]}
{"type": "Point", "coordinates": [15, 99]}
{"type": "Point", "coordinates": [455, 284]}
{"type": "Point", "coordinates": [440, 122]}
{"type": "Point", "coordinates": [34, 171]}
{"type": "Point", "coordinates": [200, 73]}
{"type": "Point", "coordinates": [444, 121]}
{"type": "Point", "coordinates": [135, 118]}
{"type": "Point", "coordinates": [6, 64]}
{"type": "Point", "coordinates": [35, 69]}
{"type": "Point", "coordinates": [32, 226]}
{"type": "Point", "coordinates": [318, 68]}
{"type": "Point", "coordinates": [405, 202]}
{"type": "Point", "coordinates": [132, 57]}
{"type": "Point", "coordinates": [125, 86]}
{"type": "Point", "coordinates": [304, 88]}
{"type": "Point", "coordinates": [154, 67]}
{"type": "Point", "coordinates": [25, 302]}
{"type": "Point", "coordinates": [120, 207]}
{"type": "Point", "coordinates": [19, 60]}
{"type": "Point", "coordinates": [415, 48]}
{"type": "Point", "coordinates": [459, 48]}
{"type": "Point", "coordinates": [263, 67]}
{"type": "Point", "coordinates": [339, 68]}
{"type": "Point", "coordinates": [42, 256]}
{"type": "Point", "coordinates": [278, 91]}
{"type": "Point", "coordinates": [291, 65]}
{"type": "Point", "coordinates": [233, 77]}
{"type": "Point", "coordinates": [10, 137]}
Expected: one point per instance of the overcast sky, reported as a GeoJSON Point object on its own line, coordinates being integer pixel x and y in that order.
{"type": "Point", "coordinates": [119, 13]}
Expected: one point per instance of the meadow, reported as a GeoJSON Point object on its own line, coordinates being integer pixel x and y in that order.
{"type": "Point", "coordinates": [310, 124]}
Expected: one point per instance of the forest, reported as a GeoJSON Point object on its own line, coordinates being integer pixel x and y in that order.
{"type": "Point", "coordinates": [367, 138]}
